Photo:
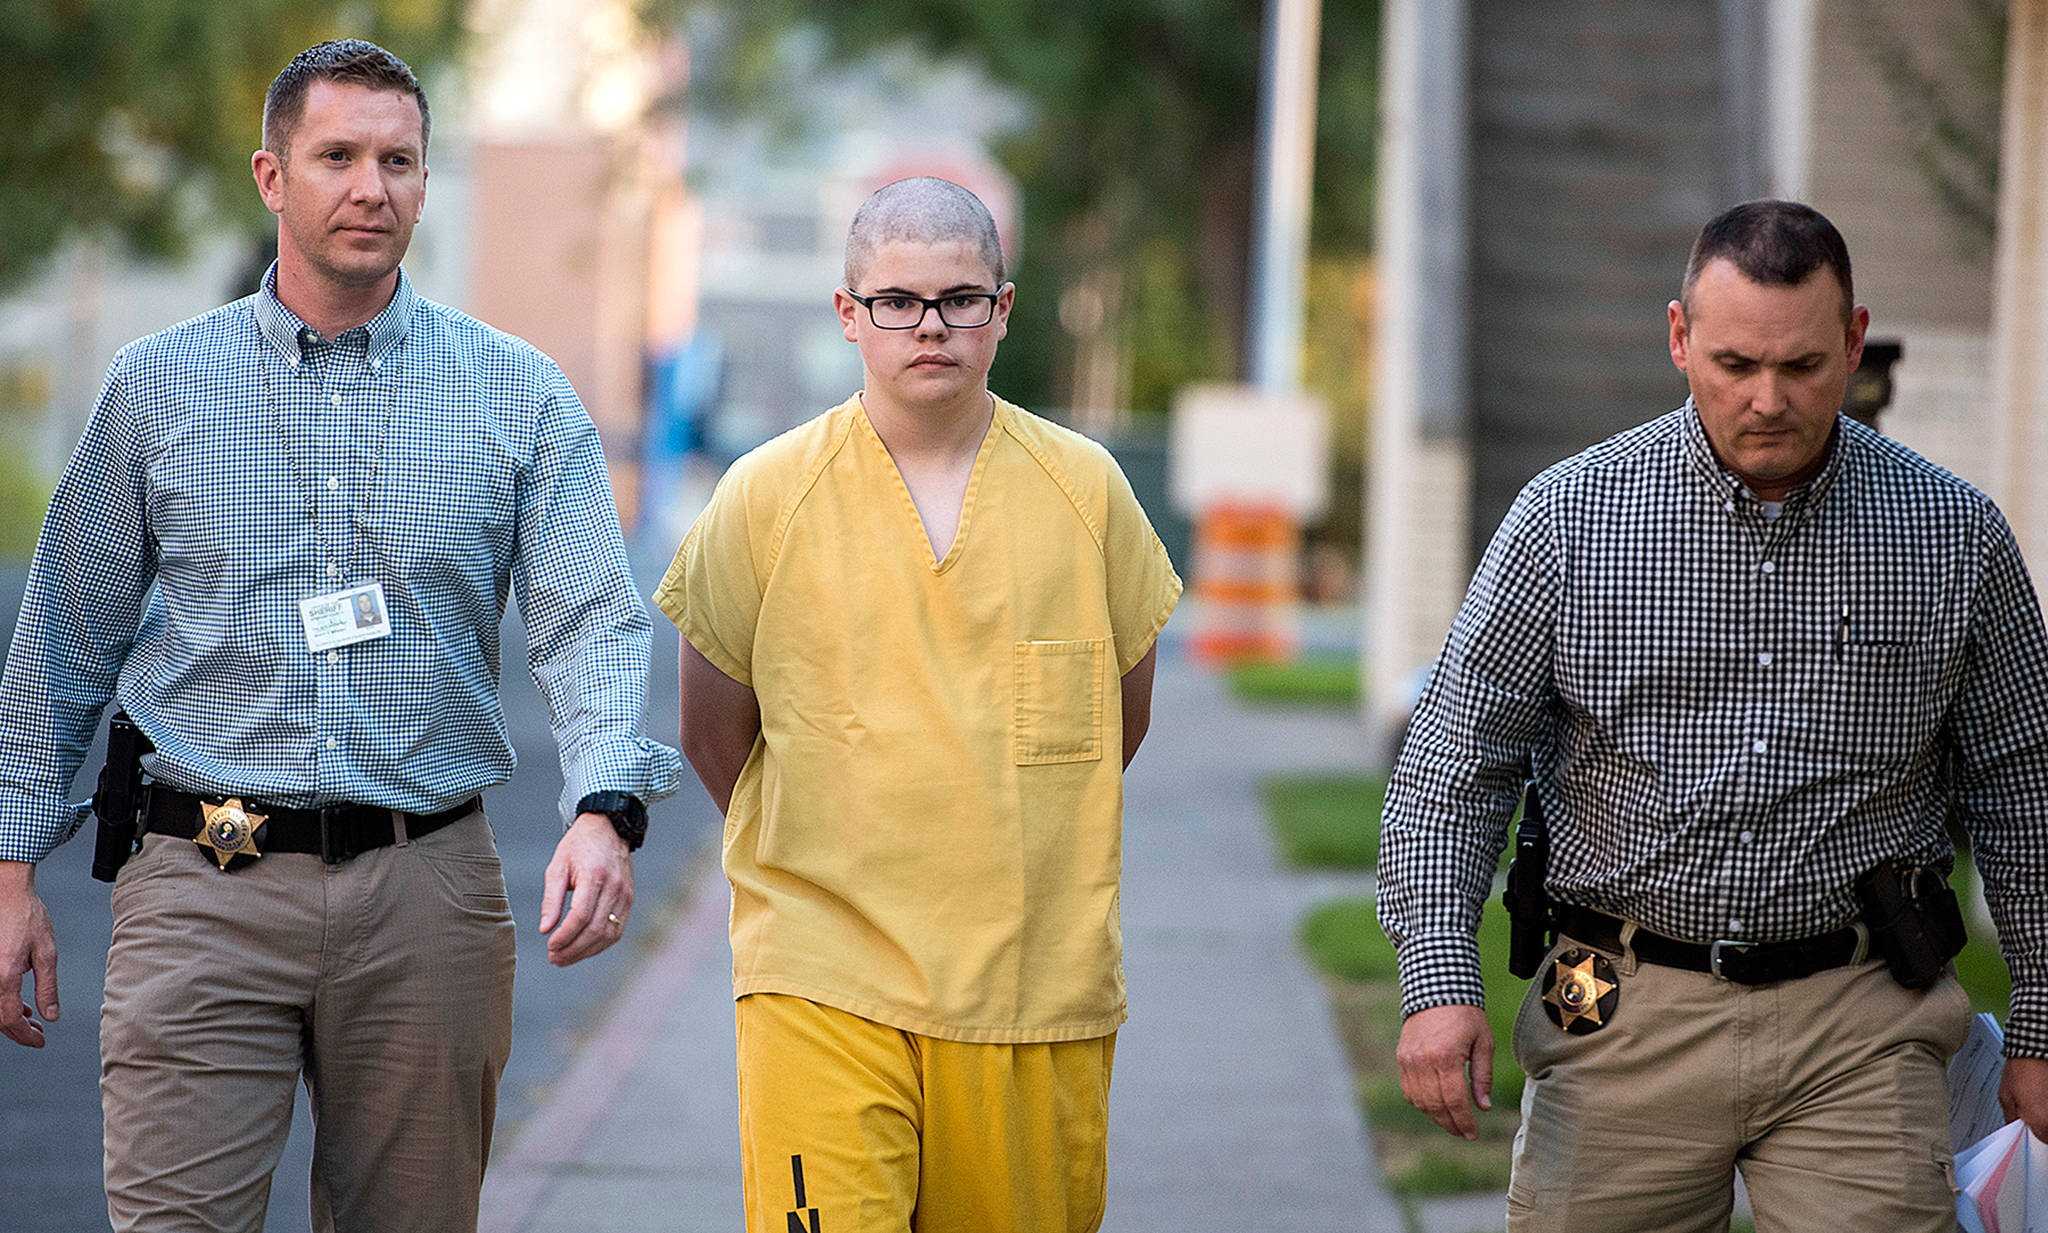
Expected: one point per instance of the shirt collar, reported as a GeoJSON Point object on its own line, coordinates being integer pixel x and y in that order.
{"type": "Point", "coordinates": [289, 336]}
{"type": "Point", "coordinates": [1699, 453]}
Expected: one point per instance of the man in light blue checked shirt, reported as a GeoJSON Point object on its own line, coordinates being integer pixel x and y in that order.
{"type": "Point", "coordinates": [317, 890]}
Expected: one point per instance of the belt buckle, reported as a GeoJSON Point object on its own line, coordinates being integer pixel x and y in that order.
{"type": "Point", "coordinates": [1714, 956]}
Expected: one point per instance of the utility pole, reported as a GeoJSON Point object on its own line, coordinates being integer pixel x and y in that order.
{"type": "Point", "coordinates": [1287, 153]}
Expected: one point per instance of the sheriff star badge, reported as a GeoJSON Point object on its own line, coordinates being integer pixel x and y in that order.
{"type": "Point", "coordinates": [229, 830]}
{"type": "Point", "coordinates": [1580, 991]}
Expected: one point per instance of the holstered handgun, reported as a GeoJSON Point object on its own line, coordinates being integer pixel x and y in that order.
{"type": "Point", "coordinates": [118, 800]}
{"type": "Point", "coordinates": [1914, 920]}
{"type": "Point", "coordinates": [1531, 917]}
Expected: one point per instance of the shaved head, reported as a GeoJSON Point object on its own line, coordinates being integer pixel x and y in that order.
{"type": "Point", "coordinates": [924, 210]}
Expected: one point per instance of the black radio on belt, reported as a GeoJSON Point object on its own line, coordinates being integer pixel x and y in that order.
{"type": "Point", "coordinates": [118, 799]}
{"type": "Point", "coordinates": [1914, 920]}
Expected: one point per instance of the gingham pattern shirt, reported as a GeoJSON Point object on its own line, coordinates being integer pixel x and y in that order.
{"type": "Point", "coordinates": [1731, 718]}
{"type": "Point", "coordinates": [239, 463]}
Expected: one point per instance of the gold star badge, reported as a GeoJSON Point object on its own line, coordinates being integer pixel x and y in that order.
{"type": "Point", "coordinates": [1580, 992]}
{"type": "Point", "coordinates": [229, 830]}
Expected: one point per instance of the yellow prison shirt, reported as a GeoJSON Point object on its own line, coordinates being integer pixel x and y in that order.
{"type": "Point", "coordinates": [928, 831]}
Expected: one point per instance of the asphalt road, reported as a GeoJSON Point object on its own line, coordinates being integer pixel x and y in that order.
{"type": "Point", "coordinates": [50, 1152]}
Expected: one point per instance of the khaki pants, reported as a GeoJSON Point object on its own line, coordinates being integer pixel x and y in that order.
{"type": "Point", "coordinates": [1828, 1093]}
{"type": "Point", "coordinates": [848, 1126]}
{"type": "Point", "coordinates": [386, 982]}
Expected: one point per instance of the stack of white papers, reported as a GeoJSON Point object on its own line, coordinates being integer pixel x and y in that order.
{"type": "Point", "coordinates": [2001, 1170]}
{"type": "Point", "coordinates": [1973, 1075]}
{"type": "Point", "coordinates": [2004, 1183]}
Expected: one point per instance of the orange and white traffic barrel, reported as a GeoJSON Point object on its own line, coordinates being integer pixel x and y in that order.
{"type": "Point", "coordinates": [1247, 584]}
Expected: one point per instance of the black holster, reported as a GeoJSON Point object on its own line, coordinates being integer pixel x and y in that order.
{"type": "Point", "coordinates": [1532, 918]}
{"type": "Point", "coordinates": [118, 800]}
{"type": "Point", "coordinates": [1914, 920]}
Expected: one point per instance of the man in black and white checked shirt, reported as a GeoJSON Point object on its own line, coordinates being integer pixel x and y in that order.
{"type": "Point", "coordinates": [252, 485]}
{"type": "Point", "coordinates": [1748, 651]}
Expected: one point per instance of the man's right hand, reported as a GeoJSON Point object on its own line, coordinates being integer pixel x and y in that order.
{"type": "Point", "coordinates": [28, 947]}
{"type": "Point", "coordinates": [1437, 1047]}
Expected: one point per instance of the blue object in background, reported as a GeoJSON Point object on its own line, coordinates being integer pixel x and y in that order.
{"type": "Point", "coordinates": [682, 395]}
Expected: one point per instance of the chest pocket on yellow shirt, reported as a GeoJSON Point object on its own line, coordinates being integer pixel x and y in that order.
{"type": "Point", "coordinates": [1059, 701]}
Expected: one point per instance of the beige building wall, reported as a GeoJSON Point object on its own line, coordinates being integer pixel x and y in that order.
{"type": "Point", "coordinates": [1924, 275]}
{"type": "Point", "coordinates": [2019, 387]}
{"type": "Point", "coordinates": [1418, 516]}
{"type": "Point", "coordinates": [560, 259]}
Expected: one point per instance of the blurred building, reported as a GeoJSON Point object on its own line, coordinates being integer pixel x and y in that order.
{"type": "Point", "coordinates": [581, 237]}
{"type": "Point", "coordinates": [555, 210]}
{"type": "Point", "coordinates": [1545, 169]}
{"type": "Point", "coordinates": [776, 190]}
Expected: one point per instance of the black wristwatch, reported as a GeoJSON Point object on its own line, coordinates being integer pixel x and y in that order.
{"type": "Point", "coordinates": [627, 812]}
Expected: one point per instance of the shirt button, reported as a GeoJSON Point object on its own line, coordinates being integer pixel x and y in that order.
{"type": "Point", "coordinates": [332, 743]}
{"type": "Point", "coordinates": [333, 571]}
{"type": "Point", "coordinates": [1729, 506]}
{"type": "Point", "coordinates": [1758, 746]}
{"type": "Point", "coordinates": [1764, 658]}
{"type": "Point", "coordinates": [333, 483]}
{"type": "Point", "coordinates": [1735, 926]}
{"type": "Point", "coordinates": [334, 657]}
{"type": "Point", "coordinates": [1747, 836]}
{"type": "Point", "coordinates": [1768, 567]}
{"type": "Point", "coordinates": [335, 399]}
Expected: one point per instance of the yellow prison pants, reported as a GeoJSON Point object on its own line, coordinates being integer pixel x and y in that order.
{"type": "Point", "coordinates": [848, 1126]}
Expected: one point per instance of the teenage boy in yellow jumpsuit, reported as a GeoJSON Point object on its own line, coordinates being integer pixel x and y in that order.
{"type": "Point", "coordinates": [918, 653]}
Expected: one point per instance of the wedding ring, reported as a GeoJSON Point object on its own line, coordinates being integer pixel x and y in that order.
{"type": "Point", "coordinates": [613, 917]}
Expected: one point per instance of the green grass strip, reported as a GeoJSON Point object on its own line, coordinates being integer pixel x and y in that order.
{"type": "Point", "coordinates": [1326, 821]}
{"type": "Point", "coordinates": [1314, 681]}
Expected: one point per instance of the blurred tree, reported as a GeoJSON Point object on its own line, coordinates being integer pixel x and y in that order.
{"type": "Point", "coordinates": [135, 119]}
{"type": "Point", "coordinates": [1137, 167]}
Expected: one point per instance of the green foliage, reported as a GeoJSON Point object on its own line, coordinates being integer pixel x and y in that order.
{"type": "Point", "coordinates": [1343, 938]}
{"type": "Point", "coordinates": [1949, 98]}
{"type": "Point", "coordinates": [1980, 968]}
{"type": "Point", "coordinates": [24, 496]}
{"type": "Point", "coordinates": [1453, 1168]}
{"type": "Point", "coordinates": [1137, 164]}
{"type": "Point", "coordinates": [1326, 821]}
{"type": "Point", "coordinates": [133, 118]}
{"type": "Point", "coordinates": [1314, 681]}
{"type": "Point", "coordinates": [1504, 992]}
{"type": "Point", "coordinates": [1983, 974]}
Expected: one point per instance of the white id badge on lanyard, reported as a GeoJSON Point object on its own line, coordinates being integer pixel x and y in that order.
{"type": "Point", "coordinates": [343, 618]}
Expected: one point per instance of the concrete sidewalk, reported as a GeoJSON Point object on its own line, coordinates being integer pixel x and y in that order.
{"type": "Point", "coordinates": [1232, 1108]}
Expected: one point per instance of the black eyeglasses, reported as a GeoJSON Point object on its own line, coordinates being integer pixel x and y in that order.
{"type": "Point", "coordinates": [963, 310]}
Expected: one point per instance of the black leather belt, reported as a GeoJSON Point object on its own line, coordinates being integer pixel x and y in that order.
{"type": "Point", "coordinates": [334, 833]}
{"type": "Point", "coordinates": [1745, 963]}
